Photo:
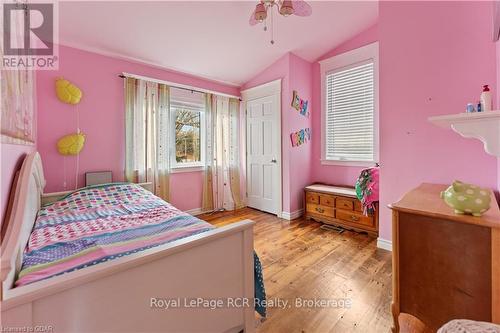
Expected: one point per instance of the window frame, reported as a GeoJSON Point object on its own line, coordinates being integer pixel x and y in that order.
{"type": "Point", "coordinates": [344, 61]}
{"type": "Point", "coordinates": [175, 166]}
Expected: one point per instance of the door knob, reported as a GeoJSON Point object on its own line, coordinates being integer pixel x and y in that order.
{"type": "Point", "coordinates": [274, 161]}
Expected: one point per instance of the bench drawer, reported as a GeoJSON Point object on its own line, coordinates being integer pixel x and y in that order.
{"type": "Point", "coordinates": [320, 210]}
{"type": "Point", "coordinates": [312, 197]}
{"type": "Point", "coordinates": [353, 217]}
{"type": "Point", "coordinates": [327, 200]}
{"type": "Point", "coordinates": [357, 206]}
{"type": "Point", "coordinates": [344, 203]}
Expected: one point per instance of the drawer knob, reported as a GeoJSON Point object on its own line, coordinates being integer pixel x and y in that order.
{"type": "Point", "coordinates": [354, 218]}
{"type": "Point", "coordinates": [320, 210]}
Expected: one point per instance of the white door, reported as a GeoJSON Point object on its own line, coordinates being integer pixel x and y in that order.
{"type": "Point", "coordinates": [264, 154]}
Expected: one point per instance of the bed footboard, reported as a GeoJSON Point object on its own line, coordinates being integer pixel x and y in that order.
{"type": "Point", "coordinates": [202, 283]}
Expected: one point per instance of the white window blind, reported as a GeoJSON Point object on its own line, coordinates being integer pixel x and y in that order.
{"type": "Point", "coordinates": [350, 113]}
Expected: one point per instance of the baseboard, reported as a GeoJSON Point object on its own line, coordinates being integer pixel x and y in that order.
{"type": "Point", "coordinates": [199, 211]}
{"type": "Point", "coordinates": [194, 211]}
{"type": "Point", "coordinates": [384, 244]}
{"type": "Point", "coordinates": [293, 215]}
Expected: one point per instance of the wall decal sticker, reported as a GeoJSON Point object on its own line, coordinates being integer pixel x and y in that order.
{"type": "Point", "coordinates": [300, 137]}
{"type": "Point", "coordinates": [300, 104]}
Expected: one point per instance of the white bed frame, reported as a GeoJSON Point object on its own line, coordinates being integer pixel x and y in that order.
{"type": "Point", "coordinates": [115, 296]}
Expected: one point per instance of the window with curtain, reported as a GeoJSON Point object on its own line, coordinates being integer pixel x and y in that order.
{"type": "Point", "coordinates": [187, 112]}
{"type": "Point", "coordinates": [168, 127]}
{"type": "Point", "coordinates": [349, 130]}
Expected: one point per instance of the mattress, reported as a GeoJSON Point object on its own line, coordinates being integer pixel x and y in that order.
{"type": "Point", "coordinates": [98, 224]}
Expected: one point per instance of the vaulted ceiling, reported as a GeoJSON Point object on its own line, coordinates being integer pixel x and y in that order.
{"type": "Point", "coordinates": [211, 39]}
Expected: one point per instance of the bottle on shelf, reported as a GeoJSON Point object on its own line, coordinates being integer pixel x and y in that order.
{"type": "Point", "coordinates": [486, 99]}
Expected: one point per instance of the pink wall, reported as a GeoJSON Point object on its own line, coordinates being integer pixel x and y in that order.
{"type": "Point", "coordinates": [330, 174]}
{"type": "Point", "coordinates": [430, 66]}
{"type": "Point", "coordinates": [11, 159]}
{"type": "Point", "coordinates": [102, 120]}
{"type": "Point", "coordinates": [295, 73]}
{"type": "Point", "coordinates": [299, 157]}
{"type": "Point", "coordinates": [426, 69]}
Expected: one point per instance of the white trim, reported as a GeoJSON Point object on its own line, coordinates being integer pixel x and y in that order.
{"type": "Point", "coordinates": [384, 244]}
{"type": "Point", "coordinates": [184, 167]}
{"type": "Point", "coordinates": [349, 163]}
{"type": "Point", "coordinates": [266, 89]}
{"type": "Point", "coordinates": [181, 169]}
{"type": "Point", "coordinates": [177, 85]}
{"type": "Point", "coordinates": [293, 215]}
{"type": "Point", "coordinates": [272, 88]}
{"type": "Point", "coordinates": [145, 62]}
{"type": "Point", "coordinates": [194, 211]}
{"type": "Point", "coordinates": [349, 58]}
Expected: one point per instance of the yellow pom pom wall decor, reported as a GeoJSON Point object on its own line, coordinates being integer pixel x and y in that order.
{"type": "Point", "coordinates": [71, 144]}
{"type": "Point", "coordinates": [67, 92]}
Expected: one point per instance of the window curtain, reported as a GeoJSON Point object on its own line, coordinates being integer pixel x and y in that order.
{"type": "Point", "coordinates": [147, 135]}
{"type": "Point", "coordinates": [209, 173]}
{"type": "Point", "coordinates": [234, 151]}
{"type": "Point", "coordinates": [222, 180]}
{"type": "Point", "coordinates": [162, 170]}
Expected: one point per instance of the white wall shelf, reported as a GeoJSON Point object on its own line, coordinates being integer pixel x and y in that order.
{"type": "Point", "coordinates": [484, 126]}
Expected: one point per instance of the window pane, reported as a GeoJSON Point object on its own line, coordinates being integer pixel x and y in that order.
{"type": "Point", "coordinates": [350, 114]}
{"type": "Point", "coordinates": [187, 136]}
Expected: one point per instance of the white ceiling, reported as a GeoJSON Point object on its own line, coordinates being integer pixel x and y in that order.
{"type": "Point", "coordinates": [211, 39]}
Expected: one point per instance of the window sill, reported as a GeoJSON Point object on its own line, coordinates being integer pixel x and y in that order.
{"type": "Point", "coordinates": [349, 163]}
{"type": "Point", "coordinates": [187, 168]}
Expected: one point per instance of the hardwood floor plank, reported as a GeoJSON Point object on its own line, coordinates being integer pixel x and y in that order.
{"type": "Point", "coordinates": [302, 261]}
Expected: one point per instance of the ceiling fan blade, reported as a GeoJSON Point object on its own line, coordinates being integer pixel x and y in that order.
{"type": "Point", "coordinates": [301, 8]}
{"type": "Point", "coordinates": [252, 20]}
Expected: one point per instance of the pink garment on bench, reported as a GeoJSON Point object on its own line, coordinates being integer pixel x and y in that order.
{"type": "Point", "coordinates": [367, 189]}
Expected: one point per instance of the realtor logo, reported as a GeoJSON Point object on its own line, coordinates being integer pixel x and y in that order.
{"type": "Point", "coordinates": [29, 36]}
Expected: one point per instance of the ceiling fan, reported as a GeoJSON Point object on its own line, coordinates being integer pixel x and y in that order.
{"type": "Point", "coordinates": [265, 9]}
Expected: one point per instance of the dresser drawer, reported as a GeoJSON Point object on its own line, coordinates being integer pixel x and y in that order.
{"type": "Point", "coordinates": [354, 217]}
{"type": "Point", "coordinates": [327, 200]}
{"type": "Point", "coordinates": [344, 203]}
{"type": "Point", "coordinates": [320, 210]}
{"type": "Point", "coordinates": [312, 197]}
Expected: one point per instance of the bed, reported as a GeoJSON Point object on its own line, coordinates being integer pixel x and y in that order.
{"type": "Point", "coordinates": [178, 277]}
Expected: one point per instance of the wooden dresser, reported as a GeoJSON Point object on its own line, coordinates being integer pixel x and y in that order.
{"type": "Point", "coordinates": [445, 266]}
{"type": "Point", "coordinates": [338, 206]}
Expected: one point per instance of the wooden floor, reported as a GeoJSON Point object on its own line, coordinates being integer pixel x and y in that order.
{"type": "Point", "coordinates": [302, 261]}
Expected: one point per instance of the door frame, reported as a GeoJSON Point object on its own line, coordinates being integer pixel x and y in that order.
{"type": "Point", "coordinates": [272, 88]}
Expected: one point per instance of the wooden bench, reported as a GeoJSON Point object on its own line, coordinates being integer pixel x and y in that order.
{"type": "Point", "coordinates": [338, 205]}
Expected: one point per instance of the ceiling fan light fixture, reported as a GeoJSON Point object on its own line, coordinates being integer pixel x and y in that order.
{"type": "Point", "coordinates": [286, 8]}
{"type": "Point", "coordinates": [260, 12]}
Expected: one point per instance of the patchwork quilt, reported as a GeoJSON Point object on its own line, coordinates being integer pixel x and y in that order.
{"type": "Point", "coordinates": [104, 222]}
{"type": "Point", "coordinates": [101, 223]}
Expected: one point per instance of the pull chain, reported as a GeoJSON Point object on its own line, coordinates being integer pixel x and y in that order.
{"type": "Point", "coordinates": [77, 155]}
{"type": "Point", "coordinates": [272, 25]}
